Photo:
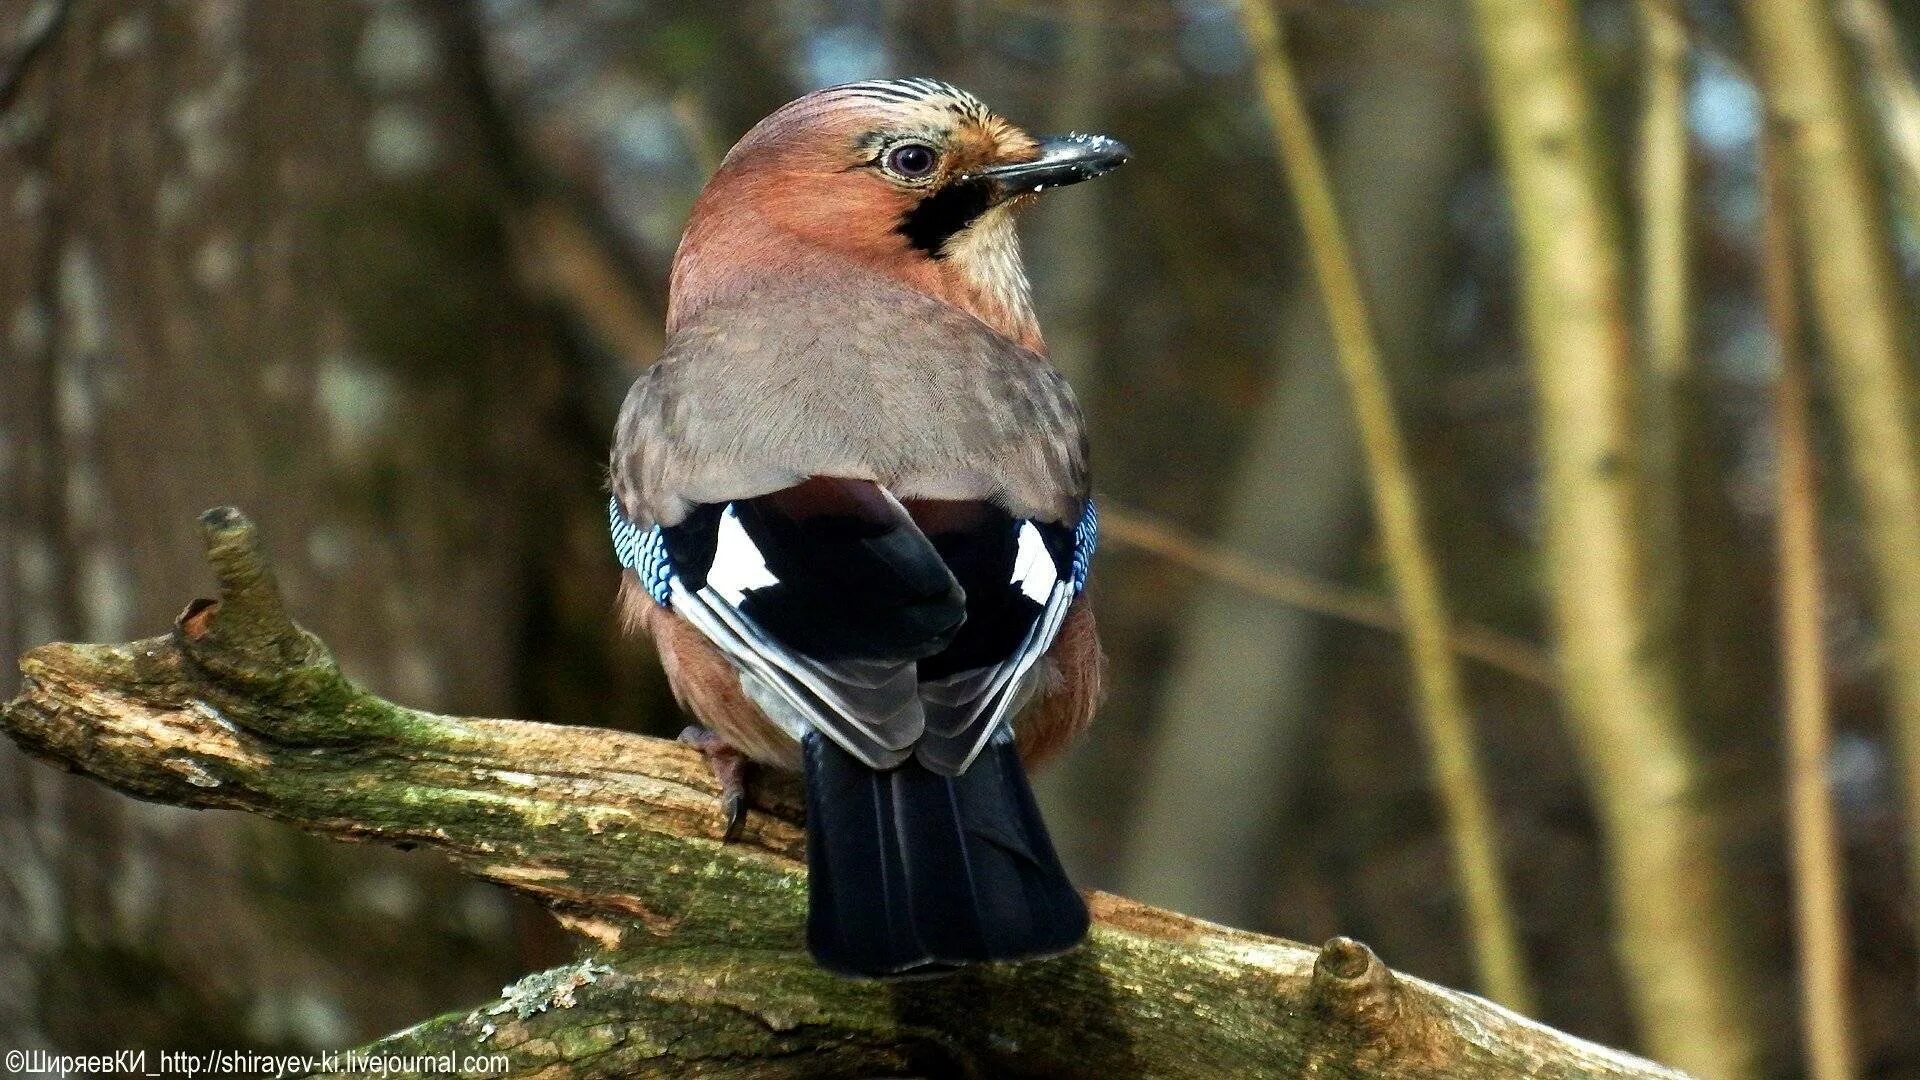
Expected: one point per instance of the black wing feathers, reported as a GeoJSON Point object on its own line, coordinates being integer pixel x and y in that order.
{"type": "Point", "coordinates": [856, 580]}
{"type": "Point", "coordinates": [980, 549]}
{"type": "Point", "coordinates": [690, 544]}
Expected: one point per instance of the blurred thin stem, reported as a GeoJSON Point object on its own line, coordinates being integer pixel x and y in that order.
{"type": "Point", "coordinates": [1674, 906]}
{"type": "Point", "coordinates": [1660, 188]}
{"type": "Point", "coordinates": [1828, 163]}
{"type": "Point", "coordinates": [1817, 867]}
{"type": "Point", "coordinates": [697, 131]}
{"type": "Point", "coordinates": [1452, 753]}
{"type": "Point", "coordinates": [1471, 641]}
{"type": "Point", "coordinates": [1891, 87]}
{"type": "Point", "coordinates": [33, 37]}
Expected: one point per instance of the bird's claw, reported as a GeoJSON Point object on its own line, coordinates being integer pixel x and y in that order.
{"type": "Point", "coordinates": [733, 812]}
{"type": "Point", "coordinates": [730, 771]}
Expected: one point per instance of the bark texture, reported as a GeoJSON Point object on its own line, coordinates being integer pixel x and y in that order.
{"type": "Point", "coordinates": [703, 975]}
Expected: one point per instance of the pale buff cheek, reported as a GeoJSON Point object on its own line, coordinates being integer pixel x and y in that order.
{"type": "Point", "coordinates": [986, 258]}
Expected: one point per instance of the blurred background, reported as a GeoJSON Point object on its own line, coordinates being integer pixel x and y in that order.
{"type": "Point", "coordinates": [380, 271]}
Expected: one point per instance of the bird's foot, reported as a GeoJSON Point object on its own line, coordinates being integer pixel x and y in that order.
{"type": "Point", "coordinates": [730, 767]}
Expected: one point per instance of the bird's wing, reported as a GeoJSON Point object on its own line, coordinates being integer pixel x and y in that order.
{"type": "Point", "coordinates": [1021, 577]}
{"type": "Point", "coordinates": [863, 637]}
{"type": "Point", "coordinates": [872, 711]}
{"type": "Point", "coordinates": [886, 388]}
{"type": "Point", "coordinates": [824, 595]}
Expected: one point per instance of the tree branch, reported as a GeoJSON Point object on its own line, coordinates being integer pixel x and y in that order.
{"type": "Point", "coordinates": [1473, 641]}
{"type": "Point", "coordinates": [703, 973]}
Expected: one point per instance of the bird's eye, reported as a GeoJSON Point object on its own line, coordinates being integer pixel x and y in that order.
{"type": "Point", "coordinates": [914, 161]}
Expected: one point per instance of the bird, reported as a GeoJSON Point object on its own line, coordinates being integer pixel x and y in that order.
{"type": "Point", "coordinates": [853, 504]}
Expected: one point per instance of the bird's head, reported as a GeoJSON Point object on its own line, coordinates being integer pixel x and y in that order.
{"type": "Point", "coordinates": [912, 178]}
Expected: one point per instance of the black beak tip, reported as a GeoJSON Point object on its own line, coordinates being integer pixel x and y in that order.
{"type": "Point", "coordinates": [1088, 155]}
{"type": "Point", "coordinates": [1063, 159]}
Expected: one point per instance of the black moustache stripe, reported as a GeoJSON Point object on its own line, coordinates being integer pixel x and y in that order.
{"type": "Point", "coordinates": [940, 216]}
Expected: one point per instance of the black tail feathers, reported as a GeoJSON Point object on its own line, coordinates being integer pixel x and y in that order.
{"type": "Point", "coordinates": [916, 873]}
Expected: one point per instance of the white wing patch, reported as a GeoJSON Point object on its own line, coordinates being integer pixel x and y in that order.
{"type": "Point", "coordinates": [738, 564]}
{"type": "Point", "coordinates": [1033, 569]}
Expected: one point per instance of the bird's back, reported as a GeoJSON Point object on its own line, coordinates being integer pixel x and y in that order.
{"type": "Point", "coordinates": [872, 382]}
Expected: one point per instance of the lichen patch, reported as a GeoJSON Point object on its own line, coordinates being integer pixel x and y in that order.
{"type": "Point", "coordinates": [546, 990]}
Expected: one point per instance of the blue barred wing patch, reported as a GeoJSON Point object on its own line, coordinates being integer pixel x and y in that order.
{"type": "Point", "coordinates": [642, 551]}
{"type": "Point", "coordinates": [1086, 537]}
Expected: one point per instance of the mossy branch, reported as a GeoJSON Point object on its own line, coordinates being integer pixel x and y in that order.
{"type": "Point", "coordinates": [702, 972]}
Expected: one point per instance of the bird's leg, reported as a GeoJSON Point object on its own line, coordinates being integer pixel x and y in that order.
{"type": "Point", "coordinates": [731, 768]}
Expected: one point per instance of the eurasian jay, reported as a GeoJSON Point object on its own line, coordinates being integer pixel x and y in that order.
{"type": "Point", "coordinates": [853, 500]}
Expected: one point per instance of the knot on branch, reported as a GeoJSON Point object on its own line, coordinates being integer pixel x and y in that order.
{"type": "Point", "coordinates": [1351, 984]}
{"type": "Point", "coordinates": [250, 619]}
{"type": "Point", "coordinates": [1364, 1013]}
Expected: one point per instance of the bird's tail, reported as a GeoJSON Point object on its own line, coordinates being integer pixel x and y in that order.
{"type": "Point", "coordinates": [916, 873]}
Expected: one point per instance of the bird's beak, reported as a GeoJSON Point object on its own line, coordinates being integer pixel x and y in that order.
{"type": "Point", "coordinates": [1063, 160]}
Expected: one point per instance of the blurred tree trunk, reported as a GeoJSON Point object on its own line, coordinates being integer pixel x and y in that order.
{"type": "Point", "coordinates": [1889, 77]}
{"type": "Point", "coordinates": [1242, 688]}
{"type": "Point", "coordinates": [1857, 307]}
{"type": "Point", "coordinates": [255, 253]}
{"type": "Point", "coordinates": [1672, 904]}
{"type": "Point", "coordinates": [1670, 402]}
